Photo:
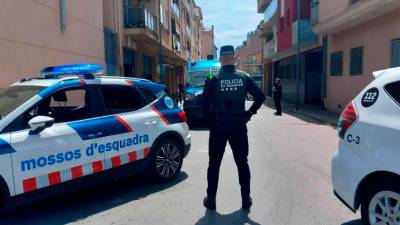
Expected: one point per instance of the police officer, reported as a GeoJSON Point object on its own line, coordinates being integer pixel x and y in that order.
{"type": "Point", "coordinates": [277, 94]}
{"type": "Point", "coordinates": [223, 101]}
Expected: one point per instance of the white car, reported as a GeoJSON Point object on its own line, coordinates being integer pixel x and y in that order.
{"type": "Point", "coordinates": [366, 166]}
{"type": "Point", "coordinates": [69, 125]}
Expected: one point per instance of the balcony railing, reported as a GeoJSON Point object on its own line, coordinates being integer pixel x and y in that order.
{"type": "Point", "coordinates": [270, 49]}
{"type": "Point", "coordinates": [307, 36]}
{"type": "Point", "coordinates": [188, 31]}
{"type": "Point", "coordinates": [175, 8]}
{"type": "Point", "coordinates": [314, 12]}
{"type": "Point", "coordinates": [270, 12]}
{"type": "Point", "coordinates": [139, 17]}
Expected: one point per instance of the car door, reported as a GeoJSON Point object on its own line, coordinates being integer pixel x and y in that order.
{"type": "Point", "coordinates": [133, 127]}
{"type": "Point", "coordinates": [63, 151]}
{"type": "Point", "coordinates": [5, 161]}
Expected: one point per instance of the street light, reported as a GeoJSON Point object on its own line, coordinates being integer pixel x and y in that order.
{"type": "Point", "coordinates": [298, 58]}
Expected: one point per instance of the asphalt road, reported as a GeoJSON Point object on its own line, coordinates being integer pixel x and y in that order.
{"type": "Point", "coordinates": [291, 185]}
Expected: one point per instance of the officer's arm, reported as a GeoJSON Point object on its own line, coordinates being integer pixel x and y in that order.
{"type": "Point", "coordinates": [205, 98]}
{"type": "Point", "coordinates": [257, 94]}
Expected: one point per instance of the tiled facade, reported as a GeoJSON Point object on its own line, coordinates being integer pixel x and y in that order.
{"type": "Point", "coordinates": [31, 36]}
{"type": "Point", "coordinates": [370, 25]}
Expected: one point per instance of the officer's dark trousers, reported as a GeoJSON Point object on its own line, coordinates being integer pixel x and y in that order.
{"type": "Point", "coordinates": [278, 106]}
{"type": "Point", "coordinates": [234, 132]}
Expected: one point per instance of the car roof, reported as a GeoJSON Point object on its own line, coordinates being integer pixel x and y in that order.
{"type": "Point", "coordinates": [101, 80]}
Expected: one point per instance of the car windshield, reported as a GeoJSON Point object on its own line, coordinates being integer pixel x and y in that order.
{"type": "Point", "coordinates": [198, 77]}
{"type": "Point", "coordinates": [14, 96]}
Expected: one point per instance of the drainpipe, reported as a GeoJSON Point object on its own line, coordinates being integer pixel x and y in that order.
{"type": "Point", "coordinates": [63, 16]}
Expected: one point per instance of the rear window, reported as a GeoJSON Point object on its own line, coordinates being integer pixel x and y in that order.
{"type": "Point", "coordinates": [393, 89]}
{"type": "Point", "coordinates": [148, 95]}
{"type": "Point", "coordinates": [14, 96]}
{"type": "Point", "coordinates": [120, 99]}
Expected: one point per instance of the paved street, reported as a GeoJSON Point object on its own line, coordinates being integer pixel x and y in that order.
{"type": "Point", "coordinates": [290, 163]}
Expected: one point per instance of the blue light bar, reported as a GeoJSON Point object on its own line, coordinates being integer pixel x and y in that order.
{"type": "Point", "coordinates": [86, 70]}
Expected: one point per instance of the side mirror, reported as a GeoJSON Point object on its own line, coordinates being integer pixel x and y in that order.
{"type": "Point", "coordinates": [39, 123]}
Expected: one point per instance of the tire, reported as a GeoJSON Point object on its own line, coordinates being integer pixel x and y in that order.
{"type": "Point", "coordinates": [167, 159]}
{"type": "Point", "coordinates": [376, 198]}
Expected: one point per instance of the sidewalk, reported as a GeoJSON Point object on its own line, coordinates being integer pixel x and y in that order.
{"type": "Point", "coordinates": [309, 111]}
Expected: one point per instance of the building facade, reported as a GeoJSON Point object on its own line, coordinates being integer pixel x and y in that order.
{"type": "Point", "coordinates": [36, 34]}
{"type": "Point", "coordinates": [361, 36]}
{"type": "Point", "coordinates": [134, 33]}
{"type": "Point", "coordinates": [281, 42]}
{"type": "Point", "coordinates": [208, 48]}
{"type": "Point", "coordinates": [249, 55]}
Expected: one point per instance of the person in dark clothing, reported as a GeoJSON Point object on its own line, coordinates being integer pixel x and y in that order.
{"type": "Point", "coordinates": [277, 94]}
{"type": "Point", "coordinates": [180, 93]}
{"type": "Point", "coordinates": [223, 103]}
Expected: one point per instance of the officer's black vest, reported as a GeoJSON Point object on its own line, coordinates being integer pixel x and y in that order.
{"type": "Point", "coordinates": [230, 93]}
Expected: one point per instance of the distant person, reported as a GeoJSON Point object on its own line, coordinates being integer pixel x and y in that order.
{"type": "Point", "coordinates": [180, 93]}
{"type": "Point", "coordinates": [277, 94]}
{"type": "Point", "coordinates": [223, 103]}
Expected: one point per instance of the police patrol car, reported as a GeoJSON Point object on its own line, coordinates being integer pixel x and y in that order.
{"type": "Point", "coordinates": [366, 169]}
{"type": "Point", "coordinates": [70, 124]}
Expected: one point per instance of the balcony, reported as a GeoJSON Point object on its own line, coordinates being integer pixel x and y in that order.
{"type": "Point", "coordinates": [307, 36]}
{"type": "Point", "coordinates": [270, 16]}
{"type": "Point", "coordinates": [140, 24]}
{"type": "Point", "coordinates": [270, 49]}
{"type": "Point", "coordinates": [262, 5]}
{"type": "Point", "coordinates": [356, 13]}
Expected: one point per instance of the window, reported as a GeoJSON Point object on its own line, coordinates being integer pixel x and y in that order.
{"type": "Point", "coordinates": [63, 106]}
{"type": "Point", "coordinates": [14, 96]}
{"type": "Point", "coordinates": [120, 99]}
{"type": "Point", "coordinates": [356, 61]}
{"type": "Point", "coordinates": [337, 63]}
{"type": "Point", "coordinates": [393, 89]}
{"type": "Point", "coordinates": [395, 53]}
{"type": "Point", "coordinates": [148, 95]}
{"type": "Point", "coordinates": [164, 17]}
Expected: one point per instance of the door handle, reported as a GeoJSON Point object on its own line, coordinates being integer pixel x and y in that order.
{"type": "Point", "coordinates": [152, 123]}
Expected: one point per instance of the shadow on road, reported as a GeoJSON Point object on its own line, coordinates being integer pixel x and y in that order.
{"type": "Point", "coordinates": [82, 204]}
{"type": "Point", "coordinates": [239, 217]}
{"type": "Point", "coordinates": [354, 222]}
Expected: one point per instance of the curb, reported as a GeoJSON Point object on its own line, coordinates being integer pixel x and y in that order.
{"type": "Point", "coordinates": [330, 122]}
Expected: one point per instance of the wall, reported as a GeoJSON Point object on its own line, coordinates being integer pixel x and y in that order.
{"type": "Point", "coordinates": [31, 37]}
{"type": "Point", "coordinates": [330, 8]}
{"type": "Point", "coordinates": [375, 36]}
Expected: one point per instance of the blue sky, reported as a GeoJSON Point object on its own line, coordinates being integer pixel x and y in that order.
{"type": "Point", "coordinates": [232, 19]}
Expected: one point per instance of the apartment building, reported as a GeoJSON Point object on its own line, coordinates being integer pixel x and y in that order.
{"type": "Point", "coordinates": [248, 56]}
{"type": "Point", "coordinates": [133, 37]}
{"type": "Point", "coordinates": [35, 34]}
{"type": "Point", "coordinates": [361, 36]}
{"type": "Point", "coordinates": [281, 41]}
{"type": "Point", "coordinates": [208, 48]}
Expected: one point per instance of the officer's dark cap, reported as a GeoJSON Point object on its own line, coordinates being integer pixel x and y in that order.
{"type": "Point", "coordinates": [227, 50]}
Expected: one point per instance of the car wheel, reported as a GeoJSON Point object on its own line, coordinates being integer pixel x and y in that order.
{"type": "Point", "coordinates": [167, 159]}
{"type": "Point", "coordinates": [381, 204]}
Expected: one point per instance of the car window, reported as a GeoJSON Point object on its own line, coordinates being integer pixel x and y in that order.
{"type": "Point", "coordinates": [148, 95]}
{"type": "Point", "coordinates": [393, 89]}
{"type": "Point", "coordinates": [63, 106]}
{"type": "Point", "coordinates": [120, 99]}
{"type": "Point", "coordinates": [14, 96]}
